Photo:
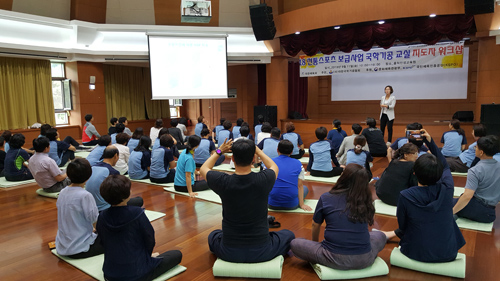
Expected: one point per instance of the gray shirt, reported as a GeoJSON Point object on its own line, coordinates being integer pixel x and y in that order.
{"type": "Point", "coordinates": [127, 131]}
{"type": "Point", "coordinates": [44, 169]}
{"type": "Point", "coordinates": [348, 143]}
{"type": "Point", "coordinates": [91, 130]}
{"type": "Point", "coordinates": [484, 179]}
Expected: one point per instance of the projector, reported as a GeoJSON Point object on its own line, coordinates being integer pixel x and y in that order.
{"type": "Point", "coordinates": [196, 11]}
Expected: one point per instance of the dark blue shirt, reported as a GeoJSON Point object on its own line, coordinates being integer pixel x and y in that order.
{"type": "Point", "coordinates": [336, 138]}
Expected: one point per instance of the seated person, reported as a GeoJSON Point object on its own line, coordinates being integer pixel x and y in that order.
{"type": "Point", "coordinates": [128, 238]}
{"type": "Point", "coordinates": [174, 149]}
{"type": "Point", "coordinates": [134, 140]}
{"type": "Point", "coordinates": [205, 149]}
{"type": "Point", "coordinates": [96, 154]}
{"type": "Point", "coordinates": [124, 153]}
{"type": "Point", "coordinates": [258, 127]}
{"type": "Point", "coordinates": [124, 121]}
{"type": "Point", "coordinates": [398, 176]}
{"type": "Point", "coordinates": [265, 132]}
{"type": "Point", "coordinates": [182, 126]}
{"type": "Point", "coordinates": [6, 136]}
{"type": "Point", "coordinates": [236, 129]}
{"type": "Point", "coordinates": [112, 128]}
{"type": "Point", "coordinates": [348, 210]}
{"type": "Point", "coordinates": [411, 130]}
{"type": "Point", "coordinates": [176, 134]}
{"type": "Point", "coordinates": [119, 128]}
{"type": "Point", "coordinates": [245, 236]}
{"type": "Point", "coordinates": [336, 135]}
{"type": "Point", "coordinates": [76, 215]}
{"type": "Point", "coordinates": [465, 160]}
{"type": "Point", "coordinates": [101, 171]}
{"type": "Point", "coordinates": [226, 132]}
{"type": "Point", "coordinates": [217, 129]}
{"type": "Point", "coordinates": [202, 124]}
{"type": "Point", "coordinates": [374, 138]}
{"type": "Point", "coordinates": [298, 145]}
{"type": "Point", "coordinates": [270, 145]}
{"type": "Point", "coordinates": [321, 156]}
{"type": "Point", "coordinates": [16, 160]}
{"type": "Point", "coordinates": [162, 161]}
{"type": "Point", "coordinates": [139, 161]}
{"type": "Point", "coordinates": [427, 229]}
{"type": "Point", "coordinates": [482, 191]}
{"type": "Point", "coordinates": [153, 132]}
{"type": "Point", "coordinates": [186, 167]}
{"type": "Point", "coordinates": [454, 140]}
{"type": "Point", "coordinates": [358, 155]}
{"type": "Point", "coordinates": [244, 134]}
{"type": "Point", "coordinates": [44, 169]}
{"type": "Point", "coordinates": [2, 155]}
{"type": "Point", "coordinates": [68, 139]}
{"type": "Point", "coordinates": [60, 151]}
{"type": "Point", "coordinates": [288, 192]}
{"type": "Point", "coordinates": [89, 134]}
{"type": "Point", "coordinates": [348, 143]}
{"type": "Point", "coordinates": [248, 135]}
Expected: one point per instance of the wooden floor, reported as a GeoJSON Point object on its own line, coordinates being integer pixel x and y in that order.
{"type": "Point", "coordinates": [28, 222]}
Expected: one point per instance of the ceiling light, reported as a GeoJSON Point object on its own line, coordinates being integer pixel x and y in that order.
{"type": "Point", "coordinates": [432, 15]}
{"type": "Point", "coordinates": [381, 22]}
{"type": "Point", "coordinates": [337, 27]}
{"type": "Point", "coordinates": [297, 32]}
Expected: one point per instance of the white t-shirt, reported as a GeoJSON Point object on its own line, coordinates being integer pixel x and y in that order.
{"type": "Point", "coordinates": [153, 134]}
{"type": "Point", "coordinates": [122, 163]}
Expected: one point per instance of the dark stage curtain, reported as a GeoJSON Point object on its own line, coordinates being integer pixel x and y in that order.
{"type": "Point", "coordinates": [297, 90]}
{"type": "Point", "coordinates": [425, 29]}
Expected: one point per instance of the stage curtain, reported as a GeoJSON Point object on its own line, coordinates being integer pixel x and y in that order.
{"type": "Point", "coordinates": [25, 93]}
{"type": "Point", "coordinates": [297, 89]}
{"type": "Point", "coordinates": [128, 93]}
{"type": "Point", "coordinates": [364, 36]}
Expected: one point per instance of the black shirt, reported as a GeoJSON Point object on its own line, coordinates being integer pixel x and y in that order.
{"type": "Point", "coordinates": [244, 206]}
{"type": "Point", "coordinates": [111, 130]}
{"type": "Point", "coordinates": [397, 177]}
{"type": "Point", "coordinates": [375, 140]}
{"type": "Point", "coordinates": [2, 159]}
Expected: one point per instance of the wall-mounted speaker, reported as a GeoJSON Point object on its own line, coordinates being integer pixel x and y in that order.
{"type": "Point", "coordinates": [475, 7]}
{"type": "Point", "coordinates": [490, 117]}
{"type": "Point", "coordinates": [262, 22]}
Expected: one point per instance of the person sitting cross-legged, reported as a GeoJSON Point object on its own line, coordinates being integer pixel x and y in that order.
{"type": "Point", "coordinates": [162, 161]}
{"type": "Point", "coordinates": [288, 192]}
{"type": "Point", "coordinates": [245, 236]}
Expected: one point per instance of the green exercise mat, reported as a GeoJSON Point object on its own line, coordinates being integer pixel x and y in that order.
{"type": "Point", "coordinates": [82, 154]}
{"type": "Point", "coordinates": [474, 225]}
{"type": "Point", "coordinates": [378, 268]}
{"type": "Point", "coordinates": [269, 269]}
{"type": "Point", "coordinates": [153, 215]}
{"type": "Point", "coordinates": [458, 191]}
{"type": "Point", "coordinates": [384, 209]}
{"type": "Point", "coordinates": [321, 179]}
{"type": "Point", "coordinates": [208, 195]}
{"type": "Point", "coordinates": [304, 160]}
{"type": "Point", "coordinates": [306, 150]}
{"type": "Point", "coordinates": [5, 183]}
{"type": "Point", "coordinates": [457, 174]}
{"type": "Point", "coordinates": [93, 267]}
{"type": "Point", "coordinates": [454, 268]}
{"type": "Point", "coordinates": [41, 192]}
{"type": "Point", "coordinates": [310, 202]}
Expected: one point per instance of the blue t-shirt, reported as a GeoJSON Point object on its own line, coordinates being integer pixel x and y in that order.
{"type": "Point", "coordinates": [160, 160]}
{"type": "Point", "coordinates": [132, 144]}
{"type": "Point", "coordinates": [341, 235]}
{"type": "Point", "coordinates": [57, 148]}
{"type": "Point", "coordinates": [453, 142]}
{"type": "Point", "coordinates": [236, 132]}
{"type": "Point", "coordinates": [363, 159]}
{"type": "Point", "coordinates": [285, 192]}
{"type": "Point", "coordinates": [258, 129]}
{"type": "Point", "coordinates": [6, 147]}
{"type": "Point", "coordinates": [321, 154]}
{"type": "Point", "coordinates": [113, 138]}
{"type": "Point", "coordinates": [138, 164]}
{"type": "Point", "coordinates": [185, 163]}
{"type": "Point", "coordinates": [468, 155]}
{"type": "Point", "coordinates": [336, 138]}
{"type": "Point", "coordinates": [95, 155]}
{"type": "Point", "coordinates": [497, 157]}
{"type": "Point", "coordinates": [202, 153]}
{"type": "Point", "coordinates": [198, 128]}
{"type": "Point", "coordinates": [270, 147]}
{"type": "Point", "coordinates": [485, 180]}
{"type": "Point", "coordinates": [225, 134]}
{"type": "Point", "coordinates": [100, 171]}
{"type": "Point", "coordinates": [216, 130]}
{"type": "Point", "coordinates": [295, 139]}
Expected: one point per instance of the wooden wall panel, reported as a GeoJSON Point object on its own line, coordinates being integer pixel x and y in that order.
{"type": "Point", "coordinates": [488, 72]}
{"type": "Point", "coordinates": [341, 12]}
{"type": "Point", "coordinates": [88, 10]}
{"type": "Point", "coordinates": [6, 5]}
{"type": "Point", "coordinates": [169, 13]}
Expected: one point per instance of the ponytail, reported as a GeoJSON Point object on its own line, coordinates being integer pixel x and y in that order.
{"type": "Point", "coordinates": [455, 123]}
{"type": "Point", "coordinates": [358, 149]}
{"type": "Point", "coordinates": [359, 142]}
{"type": "Point", "coordinates": [337, 124]}
{"type": "Point", "coordinates": [192, 142]}
{"type": "Point", "coordinates": [407, 148]}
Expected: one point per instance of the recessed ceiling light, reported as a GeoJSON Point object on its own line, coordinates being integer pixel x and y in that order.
{"type": "Point", "coordinates": [432, 15]}
{"type": "Point", "coordinates": [297, 32]}
{"type": "Point", "coordinates": [381, 22]}
{"type": "Point", "coordinates": [337, 27]}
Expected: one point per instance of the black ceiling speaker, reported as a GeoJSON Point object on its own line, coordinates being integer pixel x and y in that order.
{"type": "Point", "coordinates": [475, 7]}
{"type": "Point", "coordinates": [262, 22]}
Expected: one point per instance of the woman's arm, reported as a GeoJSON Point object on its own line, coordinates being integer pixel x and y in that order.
{"type": "Point", "coordinates": [315, 231]}
{"type": "Point", "coordinates": [189, 185]}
